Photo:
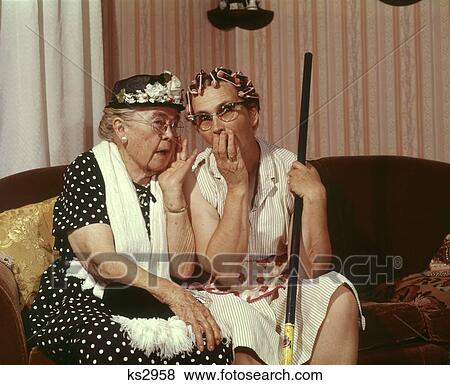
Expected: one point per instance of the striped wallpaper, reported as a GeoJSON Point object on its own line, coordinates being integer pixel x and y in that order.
{"type": "Point", "coordinates": [381, 80]}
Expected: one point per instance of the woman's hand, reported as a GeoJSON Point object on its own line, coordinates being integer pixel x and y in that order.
{"type": "Point", "coordinates": [172, 178]}
{"type": "Point", "coordinates": [193, 313]}
{"type": "Point", "coordinates": [229, 159]}
{"type": "Point", "coordinates": [305, 182]}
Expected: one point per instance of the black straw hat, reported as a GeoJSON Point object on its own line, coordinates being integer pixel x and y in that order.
{"type": "Point", "coordinates": [147, 90]}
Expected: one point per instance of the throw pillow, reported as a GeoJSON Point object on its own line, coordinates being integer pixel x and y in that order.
{"type": "Point", "coordinates": [26, 236]}
{"type": "Point", "coordinates": [429, 291]}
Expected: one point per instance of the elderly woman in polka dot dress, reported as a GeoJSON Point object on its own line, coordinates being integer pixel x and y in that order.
{"type": "Point", "coordinates": [119, 221]}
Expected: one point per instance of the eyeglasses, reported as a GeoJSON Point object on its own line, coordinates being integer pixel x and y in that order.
{"type": "Point", "coordinates": [160, 126]}
{"type": "Point", "coordinates": [227, 112]}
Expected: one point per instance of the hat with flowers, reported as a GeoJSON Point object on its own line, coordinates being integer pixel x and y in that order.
{"type": "Point", "coordinates": [147, 90]}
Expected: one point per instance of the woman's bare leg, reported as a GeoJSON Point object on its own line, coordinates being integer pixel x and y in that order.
{"type": "Point", "coordinates": [246, 356]}
{"type": "Point", "coordinates": [338, 337]}
{"type": "Point", "coordinates": [337, 341]}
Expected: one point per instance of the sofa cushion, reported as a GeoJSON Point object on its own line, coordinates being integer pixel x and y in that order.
{"type": "Point", "coordinates": [405, 354]}
{"type": "Point", "coordinates": [429, 291]}
{"type": "Point", "coordinates": [390, 323]}
{"type": "Point", "coordinates": [26, 236]}
{"type": "Point", "coordinates": [429, 294]}
{"type": "Point", "coordinates": [373, 209]}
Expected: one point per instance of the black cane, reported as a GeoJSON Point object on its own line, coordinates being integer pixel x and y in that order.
{"type": "Point", "coordinates": [288, 341]}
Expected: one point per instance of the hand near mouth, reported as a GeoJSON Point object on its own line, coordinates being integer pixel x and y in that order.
{"type": "Point", "coordinates": [171, 180]}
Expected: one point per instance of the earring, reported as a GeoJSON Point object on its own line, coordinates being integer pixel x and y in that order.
{"type": "Point", "coordinates": [124, 139]}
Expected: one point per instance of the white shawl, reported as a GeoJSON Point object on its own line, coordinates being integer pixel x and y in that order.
{"type": "Point", "coordinates": [127, 222]}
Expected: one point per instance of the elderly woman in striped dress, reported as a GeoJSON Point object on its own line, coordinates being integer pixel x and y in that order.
{"type": "Point", "coordinates": [241, 203]}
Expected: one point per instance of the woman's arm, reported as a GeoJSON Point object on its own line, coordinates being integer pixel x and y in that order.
{"type": "Point", "coordinates": [222, 243]}
{"type": "Point", "coordinates": [315, 247]}
{"type": "Point", "coordinates": [180, 238]}
{"type": "Point", "coordinates": [94, 247]}
{"type": "Point", "coordinates": [214, 235]}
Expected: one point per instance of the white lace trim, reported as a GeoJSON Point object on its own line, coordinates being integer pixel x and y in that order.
{"type": "Point", "coordinates": [155, 335]}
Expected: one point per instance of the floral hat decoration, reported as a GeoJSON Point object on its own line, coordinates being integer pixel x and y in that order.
{"type": "Point", "coordinates": [148, 90]}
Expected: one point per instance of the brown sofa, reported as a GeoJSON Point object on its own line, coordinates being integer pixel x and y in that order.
{"type": "Point", "coordinates": [380, 208]}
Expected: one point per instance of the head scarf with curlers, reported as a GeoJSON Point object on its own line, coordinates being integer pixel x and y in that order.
{"type": "Point", "coordinates": [244, 86]}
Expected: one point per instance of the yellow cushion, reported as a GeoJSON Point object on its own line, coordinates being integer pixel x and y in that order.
{"type": "Point", "coordinates": [26, 235]}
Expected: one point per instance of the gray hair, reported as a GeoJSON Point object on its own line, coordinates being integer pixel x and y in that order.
{"type": "Point", "coordinates": [105, 128]}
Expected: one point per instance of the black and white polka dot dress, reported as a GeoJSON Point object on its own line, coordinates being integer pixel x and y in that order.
{"type": "Point", "coordinates": [72, 325]}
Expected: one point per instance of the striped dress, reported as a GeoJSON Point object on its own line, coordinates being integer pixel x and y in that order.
{"type": "Point", "coordinates": [255, 317]}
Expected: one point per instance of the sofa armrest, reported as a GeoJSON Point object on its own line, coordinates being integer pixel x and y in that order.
{"type": "Point", "coordinates": [13, 349]}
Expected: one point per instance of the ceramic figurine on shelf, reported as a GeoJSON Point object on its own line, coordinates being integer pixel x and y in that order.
{"type": "Point", "coordinates": [235, 5]}
{"type": "Point", "coordinates": [252, 5]}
